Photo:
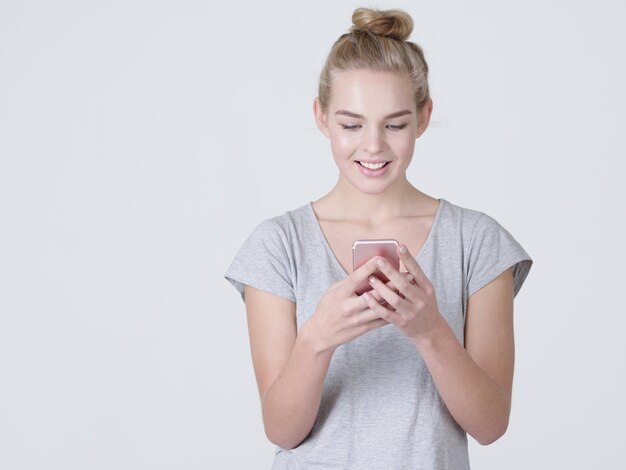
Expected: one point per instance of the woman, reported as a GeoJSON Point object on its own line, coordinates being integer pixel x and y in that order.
{"type": "Point", "coordinates": [396, 377]}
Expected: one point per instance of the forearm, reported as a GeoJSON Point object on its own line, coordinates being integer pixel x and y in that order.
{"type": "Point", "coordinates": [476, 401]}
{"type": "Point", "coordinates": [291, 403]}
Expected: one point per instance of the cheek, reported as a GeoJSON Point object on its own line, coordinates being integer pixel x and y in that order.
{"type": "Point", "coordinates": [343, 144]}
{"type": "Point", "coordinates": [405, 147]}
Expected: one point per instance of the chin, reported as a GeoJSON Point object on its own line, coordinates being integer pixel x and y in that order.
{"type": "Point", "coordinates": [373, 186]}
{"type": "Point", "coordinates": [372, 189]}
{"type": "Point", "coordinates": [377, 187]}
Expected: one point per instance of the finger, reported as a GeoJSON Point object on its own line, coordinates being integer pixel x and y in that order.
{"type": "Point", "coordinates": [407, 276]}
{"type": "Point", "coordinates": [369, 315]}
{"type": "Point", "coordinates": [399, 280]}
{"type": "Point", "coordinates": [394, 300]}
{"type": "Point", "coordinates": [377, 296]}
{"type": "Point", "coordinates": [353, 305]}
{"type": "Point", "coordinates": [356, 304]}
{"type": "Point", "coordinates": [380, 311]}
{"type": "Point", "coordinates": [372, 325]}
{"type": "Point", "coordinates": [359, 275]}
{"type": "Point", "coordinates": [412, 266]}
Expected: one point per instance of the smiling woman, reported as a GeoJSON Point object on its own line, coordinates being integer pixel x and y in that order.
{"type": "Point", "coordinates": [398, 376]}
{"type": "Point", "coordinates": [372, 122]}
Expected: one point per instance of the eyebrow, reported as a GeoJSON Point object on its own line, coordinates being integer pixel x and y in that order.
{"type": "Point", "coordinates": [344, 112]}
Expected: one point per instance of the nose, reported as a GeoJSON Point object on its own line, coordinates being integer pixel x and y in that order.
{"type": "Point", "coordinates": [373, 140]}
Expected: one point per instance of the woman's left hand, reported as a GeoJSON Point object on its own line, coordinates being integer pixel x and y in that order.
{"type": "Point", "coordinates": [413, 310]}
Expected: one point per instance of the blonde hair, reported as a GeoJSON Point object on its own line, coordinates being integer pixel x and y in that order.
{"type": "Point", "coordinates": [377, 41]}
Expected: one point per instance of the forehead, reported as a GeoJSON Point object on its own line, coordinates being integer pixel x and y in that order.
{"type": "Point", "coordinates": [370, 92]}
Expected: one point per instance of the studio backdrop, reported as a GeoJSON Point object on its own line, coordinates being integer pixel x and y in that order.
{"type": "Point", "coordinates": [141, 142]}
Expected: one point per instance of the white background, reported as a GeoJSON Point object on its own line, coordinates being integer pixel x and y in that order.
{"type": "Point", "coordinates": [141, 142]}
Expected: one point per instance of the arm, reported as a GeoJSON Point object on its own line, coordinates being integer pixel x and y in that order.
{"type": "Point", "coordinates": [291, 368]}
{"type": "Point", "coordinates": [474, 382]}
{"type": "Point", "coordinates": [290, 372]}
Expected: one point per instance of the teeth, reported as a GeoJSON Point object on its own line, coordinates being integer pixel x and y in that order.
{"type": "Point", "coordinates": [373, 166]}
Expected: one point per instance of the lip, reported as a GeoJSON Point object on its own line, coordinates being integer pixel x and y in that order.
{"type": "Point", "coordinates": [373, 173]}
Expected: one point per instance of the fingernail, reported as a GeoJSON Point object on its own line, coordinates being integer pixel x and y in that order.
{"type": "Point", "coordinates": [380, 262]}
{"type": "Point", "coordinates": [372, 279]}
{"type": "Point", "coordinates": [410, 278]}
{"type": "Point", "coordinates": [403, 250]}
{"type": "Point", "coordinates": [366, 296]}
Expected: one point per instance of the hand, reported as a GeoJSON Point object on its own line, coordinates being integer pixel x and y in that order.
{"type": "Point", "coordinates": [412, 306]}
{"type": "Point", "coordinates": [341, 315]}
{"type": "Point", "coordinates": [377, 296]}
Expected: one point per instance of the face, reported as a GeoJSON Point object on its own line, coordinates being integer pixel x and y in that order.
{"type": "Point", "coordinates": [372, 123]}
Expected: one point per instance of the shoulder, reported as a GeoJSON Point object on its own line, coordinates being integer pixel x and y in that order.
{"type": "Point", "coordinates": [267, 260]}
{"type": "Point", "coordinates": [288, 226]}
{"type": "Point", "coordinates": [294, 217]}
{"type": "Point", "coordinates": [476, 227]}
{"type": "Point", "coordinates": [489, 248]}
{"type": "Point", "coordinates": [283, 233]}
{"type": "Point", "coordinates": [466, 219]}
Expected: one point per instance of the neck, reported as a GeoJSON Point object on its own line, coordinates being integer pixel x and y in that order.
{"type": "Point", "coordinates": [344, 202]}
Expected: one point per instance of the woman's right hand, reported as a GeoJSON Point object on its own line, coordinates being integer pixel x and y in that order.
{"type": "Point", "coordinates": [341, 314]}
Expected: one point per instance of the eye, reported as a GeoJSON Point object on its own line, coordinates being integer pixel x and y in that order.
{"type": "Point", "coordinates": [396, 127]}
{"type": "Point", "coordinates": [352, 127]}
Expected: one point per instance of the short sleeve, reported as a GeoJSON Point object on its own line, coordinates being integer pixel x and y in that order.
{"type": "Point", "coordinates": [492, 251]}
{"type": "Point", "coordinates": [263, 262]}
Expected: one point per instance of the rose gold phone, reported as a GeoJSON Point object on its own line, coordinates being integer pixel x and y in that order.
{"type": "Point", "coordinates": [363, 250]}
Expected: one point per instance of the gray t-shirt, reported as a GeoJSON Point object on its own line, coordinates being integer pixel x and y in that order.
{"type": "Point", "coordinates": [380, 408]}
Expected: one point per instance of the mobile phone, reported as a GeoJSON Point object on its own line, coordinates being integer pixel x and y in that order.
{"type": "Point", "coordinates": [363, 250]}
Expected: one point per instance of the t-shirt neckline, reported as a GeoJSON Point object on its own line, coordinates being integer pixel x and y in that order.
{"type": "Point", "coordinates": [331, 254]}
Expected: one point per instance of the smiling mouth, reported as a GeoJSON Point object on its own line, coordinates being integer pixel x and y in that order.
{"type": "Point", "coordinates": [373, 166]}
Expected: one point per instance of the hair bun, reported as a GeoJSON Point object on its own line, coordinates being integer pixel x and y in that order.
{"type": "Point", "coordinates": [396, 24]}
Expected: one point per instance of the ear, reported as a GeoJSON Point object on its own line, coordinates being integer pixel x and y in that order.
{"type": "Point", "coordinates": [423, 117]}
{"type": "Point", "coordinates": [320, 117]}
